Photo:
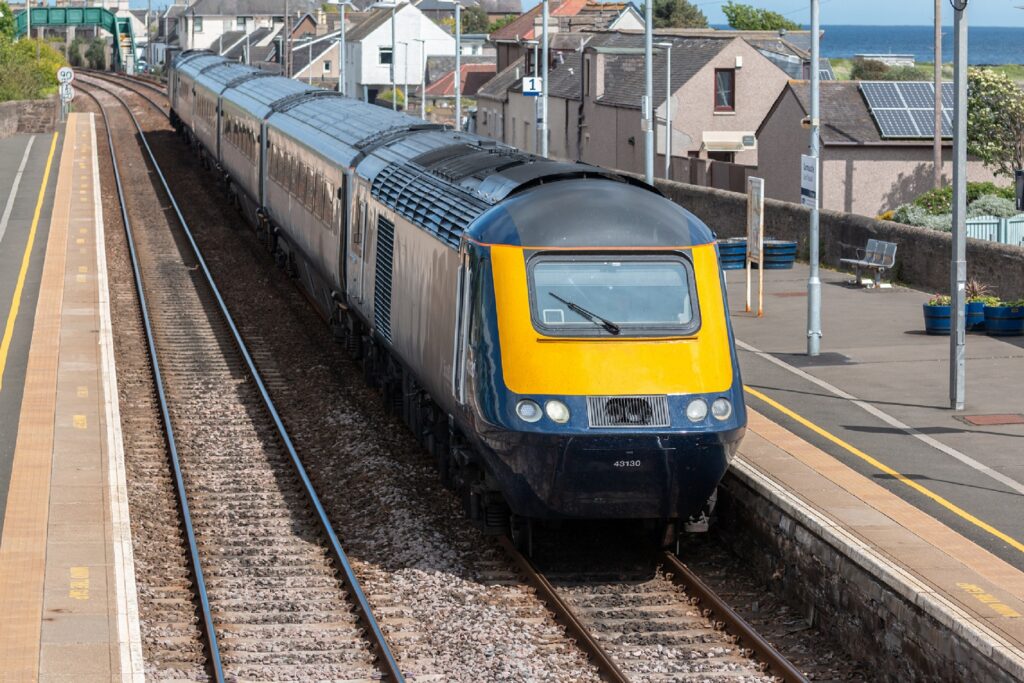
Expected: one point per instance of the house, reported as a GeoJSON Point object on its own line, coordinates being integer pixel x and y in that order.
{"type": "Point", "coordinates": [440, 94]}
{"type": "Point", "coordinates": [371, 55]}
{"type": "Point", "coordinates": [439, 10]}
{"type": "Point", "coordinates": [861, 170]}
{"type": "Point", "coordinates": [722, 88]}
{"type": "Point", "coordinates": [202, 24]}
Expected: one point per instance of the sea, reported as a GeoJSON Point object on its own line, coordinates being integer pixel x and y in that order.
{"type": "Point", "coordinates": [985, 44]}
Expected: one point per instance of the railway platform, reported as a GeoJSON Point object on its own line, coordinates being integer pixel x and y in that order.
{"type": "Point", "coordinates": [860, 445]}
{"type": "Point", "coordinates": [67, 588]}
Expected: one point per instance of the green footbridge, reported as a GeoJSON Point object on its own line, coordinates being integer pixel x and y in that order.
{"type": "Point", "coordinates": [56, 17]}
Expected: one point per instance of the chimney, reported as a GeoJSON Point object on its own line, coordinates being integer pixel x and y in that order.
{"type": "Point", "coordinates": [598, 75]}
{"type": "Point", "coordinates": [321, 22]}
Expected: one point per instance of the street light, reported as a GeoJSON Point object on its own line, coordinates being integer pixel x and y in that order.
{"type": "Point", "coordinates": [405, 72]}
{"type": "Point", "coordinates": [394, 85]}
{"type": "Point", "coordinates": [958, 265]}
{"type": "Point", "coordinates": [542, 129]}
{"type": "Point", "coordinates": [667, 47]}
{"type": "Point", "coordinates": [458, 60]}
{"type": "Point", "coordinates": [535, 44]}
{"type": "Point", "coordinates": [813, 279]}
{"type": "Point", "coordinates": [342, 85]}
{"type": "Point", "coordinates": [648, 110]}
{"type": "Point", "coordinates": [423, 77]}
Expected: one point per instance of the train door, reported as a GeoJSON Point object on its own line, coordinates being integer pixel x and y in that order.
{"type": "Point", "coordinates": [462, 323]}
{"type": "Point", "coordinates": [358, 246]}
{"type": "Point", "coordinates": [340, 226]}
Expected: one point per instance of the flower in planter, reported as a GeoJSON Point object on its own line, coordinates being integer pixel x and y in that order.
{"type": "Point", "coordinates": [978, 291]}
{"type": "Point", "coordinates": [939, 300]}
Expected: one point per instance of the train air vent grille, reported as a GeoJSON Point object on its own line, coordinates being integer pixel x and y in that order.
{"type": "Point", "coordinates": [628, 411]}
{"type": "Point", "coordinates": [382, 279]}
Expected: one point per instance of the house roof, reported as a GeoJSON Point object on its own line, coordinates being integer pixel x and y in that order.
{"type": "Point", "coordinates": [246, 8]}
{"type": "Point", "coordinates": [374, 20]}
{"type": "Point", "coordinates": [497, 88]}
{"type": "Point", "coordinates": [307, 51]}
{"type": "Point", "coordinates": [439, 65]}
{"type": "Point", "coordinates": [501, 6]}
{"type": "Point", "coordinates": [523, 27]}
{"type": "Point", "coordinates": [257, 50]}
{"type": "Point", "coordinates": [473, 76]}
{"type": "Point", "coordinates": [845, 116]}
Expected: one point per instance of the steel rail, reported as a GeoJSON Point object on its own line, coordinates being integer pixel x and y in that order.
{"type": "Point", "coordinates": [125, 77]}
{"type": "Point", "coordinates": [737, 625]}
{"type": "Point", "coordinates": [216, 668]}
{"type": "Point", "coordinates": [113, 80]}
{"type": "Point", "coordinates": [364, 613]}
{"type": "Point", "coordinates": [564, 615]}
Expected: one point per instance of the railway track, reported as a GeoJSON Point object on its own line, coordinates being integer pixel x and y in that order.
{"type": "Point", "coordinates": [276, 596]}
{"type": "Point", "coordinates": [647, 625]}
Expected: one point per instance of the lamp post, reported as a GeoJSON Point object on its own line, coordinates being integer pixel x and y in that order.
{"type": "Point", "coordinates": [667, 47]}
{"type": "Point", "coordinates": [423, 77]}
{"type": "Point", "coordinates": [813, 280]}
{"type": "Point", "coordinates": [958, 265]}
{"type": "Point", "coordinates": [342, 85]}
{"type": "Point", "coordinates": [648, 110]}
{"type": "Point", "coordinates": [405, 73]}
{"type": "Point", "coordinates": [394, 85]}
{"type": "Point", "coordinates": [535, 44]}
{"type": "Point", "coordinates": [542, 129]}
{"type": "Point", "coordinates": [458, 61]}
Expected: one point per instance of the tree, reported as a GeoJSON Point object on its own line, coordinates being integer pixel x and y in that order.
{"type": "Point", "coordinates": [868, 70]}
{"type": "Point", "coordinates": [503, 21]}
{"type": "Point", "coordinates": [6, 22]}
{"type": "Point", "coordinates": [677, 14]}
{"type": "Point", "coordinates": [995, 120]}
{"type": "Point", "coordinates": [746, 18]}
{"type": "Point", "coordinates": [23, 76]}
{"type": "Point", "coordinates": [97, 54]}
{"type": "Point", "coordinates": [474, 20]}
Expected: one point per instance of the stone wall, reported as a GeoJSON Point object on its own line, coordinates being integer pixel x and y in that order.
{"type": "Point", "coordinates": [29, 116]}
{"type": "Point", "coordinates": [923, 255]}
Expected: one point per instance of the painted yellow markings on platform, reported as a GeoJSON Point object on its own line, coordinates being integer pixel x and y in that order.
{"type": "Point", "coordinates": [12, 316]}
{"type": "Point", "coordinates": [78, 585]}
{"type": "Point", "coordinates": [83, 392]}
{"type": "Point", "coordinates": [80, 422]}
{"type": "Point", "coordinates": [82, 231]}
{"type": "Point", "coordinates": [992, 601]}
{"type": "Point", "coordinates": [80, 240]}
{"type": "Point", "coordinates": [902, 478]}
{"type": "Point", "coordinates": [83, 269]}
{"type": "Point", "coordinates": [80, 279]}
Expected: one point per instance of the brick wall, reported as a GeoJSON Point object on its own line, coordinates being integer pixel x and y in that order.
{"type": "Point", "coordinates": [922, 258]}
{"type": "Point", "coordinates": [28, 116]}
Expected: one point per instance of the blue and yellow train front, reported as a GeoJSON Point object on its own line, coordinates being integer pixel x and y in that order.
{"type": "Point", "coordinates": [603, 380]}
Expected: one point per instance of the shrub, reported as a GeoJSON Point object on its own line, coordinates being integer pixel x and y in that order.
{"type": "Point", "coordinates": [868, 70]}
{"type": "Point", "coordinates": [912, 214]}
{"type": "Point", "coordinates": [937, 201]}
{"type": "Point", "coordinates": [22, 75]}
{"type": "Point", "coordinates": [978, 190]}
{"type": "Point", "coordinates": [906, 73]}
{"type": "Point", "coordinates": [990, 205]}
{"type": "Point", "coordinates": [939, 300]}
{"type": "Point", "coordinates": [886, 215]}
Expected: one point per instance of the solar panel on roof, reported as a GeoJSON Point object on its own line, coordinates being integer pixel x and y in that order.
{"type": "Point", "coordinates": [906, 109]}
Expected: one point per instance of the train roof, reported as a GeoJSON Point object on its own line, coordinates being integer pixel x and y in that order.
{"type": "Point", "coordinates": [446, 180]}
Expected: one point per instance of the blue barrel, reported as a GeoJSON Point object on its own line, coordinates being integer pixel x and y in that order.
{"type": "Point", "coordinates": [975, 319]}
{"type": "Point", "coordinates": [732, 253]}
{"type": "Point", "coordinates": [779, 254]}
{"type": "Point", "coordinates": [937, 319]}
{"type": "Point", "coordinates": [1004, 321]}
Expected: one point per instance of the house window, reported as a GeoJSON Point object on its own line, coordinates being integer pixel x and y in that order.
{"type": "Point", "coordinates": [240, 22]}
{"type": "Point", "coordinates": [327, 66]}
{"type": "Point", "coordinates": [199, 24]}
{"type": "Point", "coordinates": [385, 55]}
{"type": "Point", "coordinates": [725, 89]}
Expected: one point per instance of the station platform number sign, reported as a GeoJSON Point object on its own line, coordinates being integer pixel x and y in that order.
{"type": "Point", "coordinates": [532, 86]}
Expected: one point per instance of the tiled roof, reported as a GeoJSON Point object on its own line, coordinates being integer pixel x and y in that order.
{"type": "Point", "coordinates": [439, 65]}
{"type": "Point", "coordinates": [256, 37]}
{"type": "Point", "coordinates": [522, 28]}
{"type": "Point", "coordinates": [473, 76]}
{"type": "Point", "coordinates": [497, 88]}
{"type": "Point", "coordinates": [371, 23]}
{"type": "Point", "coordinates": [845, 118]}
{"type": "Point", "coordinates": [247, 8]}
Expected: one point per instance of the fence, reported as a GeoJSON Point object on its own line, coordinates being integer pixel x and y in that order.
{"type": "Point", "coordinates": [993, 229]}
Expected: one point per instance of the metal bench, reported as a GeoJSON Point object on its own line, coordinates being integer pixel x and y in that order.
{"type": "Point", "coordinates": [878, 256]}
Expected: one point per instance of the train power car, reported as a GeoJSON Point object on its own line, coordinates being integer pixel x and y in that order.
{"type": "Point", "coordinates": [555, 334]}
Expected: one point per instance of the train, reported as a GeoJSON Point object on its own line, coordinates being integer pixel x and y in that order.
{"type": "Point", "coordinates": [555, 334]}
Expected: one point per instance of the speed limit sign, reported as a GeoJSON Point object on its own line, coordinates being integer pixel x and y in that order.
{"type": "Point", "coordinates": [65, 75]}
{"type": "Point", "coordinates": [67, 92]}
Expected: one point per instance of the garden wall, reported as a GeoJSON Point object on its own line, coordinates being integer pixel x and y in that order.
{"type": "Point", "coordinates": [28, 116]}
{"type": "Point", "coordinates": [922, 258]}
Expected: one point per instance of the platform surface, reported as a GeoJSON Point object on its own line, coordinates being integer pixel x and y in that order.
{"type": "Point", "coordinates": [67, 603]}
{"type": "Point", "coordinates": [881, 386]}
{"type": "Point", "coordinates": [863, 438]}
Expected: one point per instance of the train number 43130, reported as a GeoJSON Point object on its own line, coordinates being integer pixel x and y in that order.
{"type": "Point", "coordinates": [626, 463]}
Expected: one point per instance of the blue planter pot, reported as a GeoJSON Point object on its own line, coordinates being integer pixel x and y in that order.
{"type": "Point", "coordinates": [937, 319]}
{"type": "Point", "coordinates": [1004, 321]}
{"type": "Point", "coordinates": [975, 315]}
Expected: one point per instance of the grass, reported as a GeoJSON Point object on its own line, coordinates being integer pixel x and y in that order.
{"type": "Point", "coordinates": [843, 67]}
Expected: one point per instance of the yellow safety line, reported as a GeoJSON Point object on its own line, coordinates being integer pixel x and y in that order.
{"type": "Point", "coordinates": [12, 316]}
{"type": "Point", "coordinates": [960, 512]}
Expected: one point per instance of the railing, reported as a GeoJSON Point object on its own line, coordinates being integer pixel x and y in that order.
{"type": "Point", "coordinates": [995, 229]}
{"type": "Point", "coordinates": [119, 27]}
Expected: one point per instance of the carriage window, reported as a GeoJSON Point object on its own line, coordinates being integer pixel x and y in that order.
{"type": "Point", "coordinates": [613, 296]}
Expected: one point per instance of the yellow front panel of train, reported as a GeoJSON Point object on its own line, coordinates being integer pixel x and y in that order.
{"type": "Point", "coordinates": [537, 364]}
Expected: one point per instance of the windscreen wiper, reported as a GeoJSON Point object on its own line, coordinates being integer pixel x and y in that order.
{"type": "Point", "coordinates": [592, 317]}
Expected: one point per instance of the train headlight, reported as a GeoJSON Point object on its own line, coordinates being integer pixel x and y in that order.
{"type": "Point", "coordinates": [721, 409]}
{"type": "Point", "coordinates": [528, 411]}
{"type": "Point", "coordinates": [697, 410]}
{"type": "Point", "coordinates": [557, 411]}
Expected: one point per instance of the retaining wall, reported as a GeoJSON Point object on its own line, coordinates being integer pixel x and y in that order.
{"type": "Point", "coordinates": [922, 258]}
{"type": "Point", "coordinates": [28, 116]}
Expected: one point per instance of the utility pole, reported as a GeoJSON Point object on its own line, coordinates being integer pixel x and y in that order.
{"type": "Point", "coordinates": [458, 63]}
{"type": "Point", "coordinates": [958, 267]}
{"type": "Point", "coordinates": [813, 281]}
{"type": "Point", "coordinates": [542, 129]}
{"type": "Point", "coordinates": [286, 44]}
{"type": "Point", "coordinates": [938, 94]}
{"type": "Point", "coordinates": [648, 110]}
{"type": "Point", "coordinates": [394, 49]}
{"type": "Point", "coordinates": [423, 77]}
